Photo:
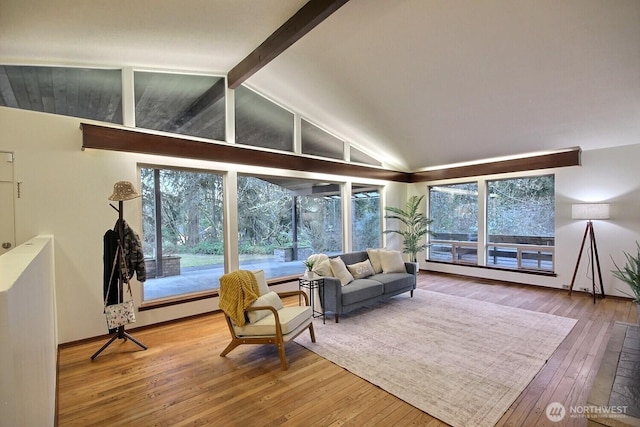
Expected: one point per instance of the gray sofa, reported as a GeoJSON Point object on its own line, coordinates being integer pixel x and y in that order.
{"type": "Point", "coordinates": [340, 299]}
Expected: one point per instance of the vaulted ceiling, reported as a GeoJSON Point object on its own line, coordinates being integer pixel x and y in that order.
{"type": "Point", "coordinates": [416, 83]}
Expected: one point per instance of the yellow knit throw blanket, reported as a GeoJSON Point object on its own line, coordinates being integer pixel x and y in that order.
{"type": "Point", "coordinates": [238, 290]}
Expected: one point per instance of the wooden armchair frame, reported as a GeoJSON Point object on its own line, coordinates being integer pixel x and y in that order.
{"type": "Point", "coordinates": [279, 339]}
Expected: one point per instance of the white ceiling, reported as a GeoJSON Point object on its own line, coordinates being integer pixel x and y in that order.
{"type": "Point", "coordinates": [416, 83]}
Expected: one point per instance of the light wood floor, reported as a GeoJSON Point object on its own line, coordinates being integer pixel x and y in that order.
{"type": "Point", "coordinates": [181, 380]}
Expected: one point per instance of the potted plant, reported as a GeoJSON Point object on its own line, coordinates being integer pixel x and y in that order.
{"type": "Point", "coordinates": [630, 274]}
{"type": "Point", "coordinates": [416, 226]}
{"type": "Point", "coordinates": [308, 273]}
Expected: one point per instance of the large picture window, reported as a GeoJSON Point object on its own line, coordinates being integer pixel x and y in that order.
{"type": "Point", "coordinates": [281, 221]}
{"type": "Point", "coordinates": [521, 223]}
{"type": "Point", "coordinates": [519, 227]}
{"type": "Point", "coordinates": [182, 231]}
{"type": "Point", "coordinates": [454, 211]}
{"type": "Point", "coordinates": [366, 225]}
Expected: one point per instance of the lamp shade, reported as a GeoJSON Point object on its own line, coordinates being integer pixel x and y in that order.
{"type": "Point", "coordinates": [590, 211]}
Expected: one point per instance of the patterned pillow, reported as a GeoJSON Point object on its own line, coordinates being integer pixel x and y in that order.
{"type": "Point", "coordinates": [340, 271]}
{"type": "Point", "coordinates": [361, 270]}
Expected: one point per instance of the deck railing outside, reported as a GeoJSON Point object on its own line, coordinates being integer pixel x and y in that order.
{"type": "Point", "coordinates": [516, 252]}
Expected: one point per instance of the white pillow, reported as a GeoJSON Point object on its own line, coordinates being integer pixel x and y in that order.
{"type": "Point", "coordinates": [340, 271]}
{"type": "Point", "coordinates": [361, 270]}
{"type": "Point", "coordinates": [391, 262]}
{"type": "Point", "coordinates": [317, 259]}
{"type": "Point", "coordinates": [323, 268]}
{"type": "Point", "coordinates": [271, 299]}
{"type": "Point", "coordinates": [262, 282]}
{"type": "Point", "coordinates": [374, 257]}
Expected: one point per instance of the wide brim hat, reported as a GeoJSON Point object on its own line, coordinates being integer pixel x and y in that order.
{"type": "Point", "coordinates": [123, 190]}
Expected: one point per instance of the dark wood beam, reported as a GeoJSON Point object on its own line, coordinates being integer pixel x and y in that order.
{"type": "Point", "coordinates": [570, 157]}
{"type": "Point", "coordinates": [133, 141]}
{"type": "Point", "coordinates": [116, 139]}
{"type": "Point", "coordinates": [305, 19]}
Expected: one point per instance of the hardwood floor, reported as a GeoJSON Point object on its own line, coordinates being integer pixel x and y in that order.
{"type": "Point", "coordinates": [181, 380]}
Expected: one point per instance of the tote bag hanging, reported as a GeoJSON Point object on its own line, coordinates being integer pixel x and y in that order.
{"type": "Point", "coordinates": [122, 313]}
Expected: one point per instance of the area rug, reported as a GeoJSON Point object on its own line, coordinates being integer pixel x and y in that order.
{"type": "Point", "coordinates": [460, 360]}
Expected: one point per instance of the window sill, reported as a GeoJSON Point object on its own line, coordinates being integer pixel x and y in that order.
{"type": "Point", "coordinates": [510, 270]}
{"type": "Point", "coordinates": [178, 299]}
{"type": "Point", "coordinates": [197, 296]}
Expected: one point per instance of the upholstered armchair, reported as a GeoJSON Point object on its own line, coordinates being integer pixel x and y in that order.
{"type": "Point", "coordinates": [260, 317]}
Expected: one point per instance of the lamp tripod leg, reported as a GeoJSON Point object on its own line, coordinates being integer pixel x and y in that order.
{"type": "Point", "coordinates": [597, 263]}
{"type": "Point", "coordinates": [575, 272]}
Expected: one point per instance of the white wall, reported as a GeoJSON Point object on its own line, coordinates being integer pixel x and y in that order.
{"type": "Point", "coordinates": [64, 193]}
{"type": "Point", "coordinates": [28, 341]}
{"type": "Point", "coordinates": [606, 175]}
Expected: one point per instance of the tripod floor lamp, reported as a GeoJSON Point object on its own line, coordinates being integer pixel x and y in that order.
{"type": "Point", "coordinates": [590, 211]}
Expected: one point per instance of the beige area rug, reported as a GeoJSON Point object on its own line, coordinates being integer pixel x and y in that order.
{"type": "Point", "coordinates": [460, 360]}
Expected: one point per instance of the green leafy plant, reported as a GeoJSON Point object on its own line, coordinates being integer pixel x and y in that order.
{"type": "Point", "coordinates": [416, 225]}
{"type": "Point", "coordinates": [309, 264]}
{"type": "Point", "coordinates": [630, 274]}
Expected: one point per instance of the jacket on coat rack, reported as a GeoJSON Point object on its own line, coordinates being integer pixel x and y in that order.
{"type": "Point", "coordinates": [133, 256]}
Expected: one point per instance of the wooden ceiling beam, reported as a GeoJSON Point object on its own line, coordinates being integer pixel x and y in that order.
{"type": "Point", "coordinates": [304, 20]}
{"type": "Point", "coordinates": [569, 157]}
{"type": "Point", "coordinates": [133, 141]}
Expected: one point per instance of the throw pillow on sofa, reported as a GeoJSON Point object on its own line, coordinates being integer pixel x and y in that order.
{"type": "Point", "coordinates": [374, 257]}
{"type": "Point", "coordinates": [361, 270]}
{"type": "Point", "coordinates": [340, 271]}
{"type": "Point", "coordinates": [323, 268]}
{"type": "Point", "coordinates": [391, 262]}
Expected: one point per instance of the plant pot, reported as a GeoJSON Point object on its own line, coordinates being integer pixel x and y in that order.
{"type": "Point", "coordinates": [309, 274]}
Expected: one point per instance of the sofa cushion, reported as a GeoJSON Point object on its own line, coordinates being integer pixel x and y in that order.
{"type": "Point", "coordinates": [360, 290]}
{"type": "Point", "coordinates": [391, 262]}
{"type": "Point", "coordinates": [290, 319]}
{"type": "Point", "coordinates": [340, 271]}
{"type": "Point", "coordinates": [361, 270]}
{"type": "Point", "coordinates": [393, 282]}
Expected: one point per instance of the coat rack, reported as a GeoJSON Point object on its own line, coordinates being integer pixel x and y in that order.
{"type": "Point", "coordinates": [122, 191]}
